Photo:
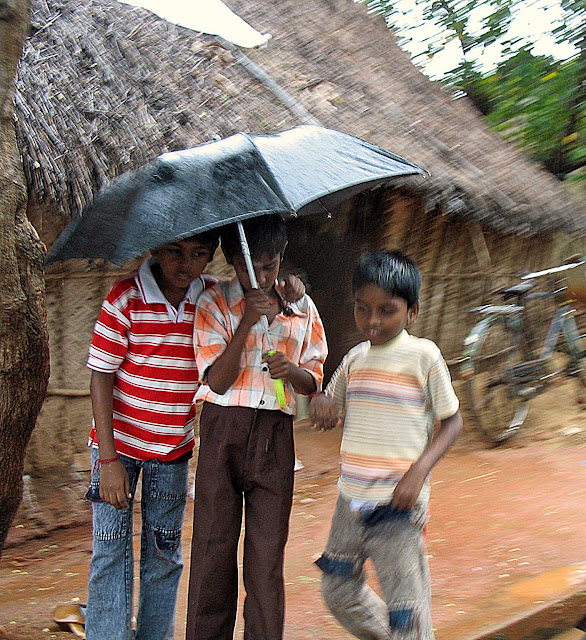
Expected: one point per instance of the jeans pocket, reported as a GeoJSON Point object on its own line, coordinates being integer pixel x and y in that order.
{"type": "Point", "coordinates": [110, 523]}
{"type": "Point", "coordinates": [384, 513]}
{"type": "Point", "coordinates": [167, 540]}
{"type": "Point", "coordinates": [164, 497]}
{"type": "Point", "coordinates": [168, 481]}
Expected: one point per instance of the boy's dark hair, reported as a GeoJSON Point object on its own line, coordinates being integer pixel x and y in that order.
{"type": "Point", "coordinates": [266, 235]}
{"type": "Point", "coordinates": [209, 238]}
{"type": "Point", "coordinates": [390, 270]}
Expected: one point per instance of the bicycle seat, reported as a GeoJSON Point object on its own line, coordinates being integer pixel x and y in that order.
{"type": "Point", "coordinates": [517, 290]}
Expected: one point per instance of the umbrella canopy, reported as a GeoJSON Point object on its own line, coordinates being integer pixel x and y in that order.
{"type": "Point", "coordinates": [301, 171]}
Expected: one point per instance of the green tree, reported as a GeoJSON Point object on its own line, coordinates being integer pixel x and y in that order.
{"type": "Point", "coordinates": [532, 101]}
{"type": "Point", "coordinates": [536, 101]}
{"type": "Point", "coordinates": [475, 24]}
{"type": "Point", "coordinates": [572, 29]}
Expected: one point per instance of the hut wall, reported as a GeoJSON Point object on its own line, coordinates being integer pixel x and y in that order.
{"type": "Point", "coordinates": [462, 264]}
{"type": "Point", "coordinates": [323, 251]}
{"type": "Point", "coordinates": [73, 304]}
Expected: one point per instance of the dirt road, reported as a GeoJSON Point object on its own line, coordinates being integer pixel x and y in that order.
{"type": "Point", "coordinates": [506, 533]}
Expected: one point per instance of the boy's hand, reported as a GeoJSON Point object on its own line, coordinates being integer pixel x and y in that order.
{"type": "Point", "coordinates": [408, 489]}
{"type": "Point", "coordinates": [114, 484]}
{"type": "Point", "coordinates": [290, 288]}
{"type": "Point", "coordinates": [323, 413]}
{"type": "Point", "coordinates": [279, 365]}
{"type": "Point", "coordinates": [256, 305]}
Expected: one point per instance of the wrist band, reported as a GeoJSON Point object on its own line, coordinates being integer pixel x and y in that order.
{"type": "Point", "coordinates": [100, 461]}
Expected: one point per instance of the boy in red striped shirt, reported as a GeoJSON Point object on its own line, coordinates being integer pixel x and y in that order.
{"type": "Point", "coordinates": [144, 377]}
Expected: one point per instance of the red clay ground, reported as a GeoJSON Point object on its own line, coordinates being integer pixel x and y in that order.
{"type": "Point", "coordinates": [506, 534]}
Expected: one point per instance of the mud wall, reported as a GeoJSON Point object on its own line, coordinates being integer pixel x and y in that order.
{"type": "Point", "coordinates": [462, 264]}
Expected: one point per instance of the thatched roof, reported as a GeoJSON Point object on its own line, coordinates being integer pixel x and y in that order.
{"type": "Point", "coordinates": [104, 87]}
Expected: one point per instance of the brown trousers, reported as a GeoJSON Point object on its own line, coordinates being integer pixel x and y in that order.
{"type": "Point", "coordinates": [246, 457]}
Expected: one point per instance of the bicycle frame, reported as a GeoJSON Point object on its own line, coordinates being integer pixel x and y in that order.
{"type": "Point", "coordinates": [530, 377]}
{"type": "Point", "coordinates": [511, 313]}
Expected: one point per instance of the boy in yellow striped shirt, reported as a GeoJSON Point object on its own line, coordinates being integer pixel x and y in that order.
{"type": "Point", "coordinates": [389, 391]}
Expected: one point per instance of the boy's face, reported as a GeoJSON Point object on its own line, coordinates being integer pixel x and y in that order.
{"type": "Point", "coordinates": [381, 316]}
{"type": "Point", "coordinates": [183, 261]}
{"type": "Point", "coordinates": [266, 268]}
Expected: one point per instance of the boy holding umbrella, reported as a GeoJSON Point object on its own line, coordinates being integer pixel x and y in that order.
{"type": "Point", "coordinates": [246, 454]}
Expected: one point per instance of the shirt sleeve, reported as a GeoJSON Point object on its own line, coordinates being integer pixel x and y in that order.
{"type": "Point", "coordinates": [110, 340]}
{"type": "Point", "coordinates": [440, 391]}
{"type": "Point", "coordinates": [315, 348]}
{"type": "Point", "coordinates": [338, 384]}
{"type": "Point", "coordinates": [210, 333]}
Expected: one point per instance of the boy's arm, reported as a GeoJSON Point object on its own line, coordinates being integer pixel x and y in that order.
{"type": "Point", "coordinates": [323, 412]}
{"type": "Point", "coordinates": [306, 375]}
{"type": "Point", "coordinates": [409, 487]}
{"type": "Point", "coordinates": [114, 483]}
{"type": "Point", "coordinates": [222, 374]}
{"type": "Point", "coordinates": [326, 409]}
{"type": "Point", "coordinates": [281, 367]}
{"type": "Point", "coordinates": [290, 288]}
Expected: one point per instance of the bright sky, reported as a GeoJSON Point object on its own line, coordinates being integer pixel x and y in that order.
{"type": "Point", "coordinates": [208, 16]}
{"type": "Point", "coordinates": [212, 16]}
{"type": "Point", "coordinates": [533, 19]}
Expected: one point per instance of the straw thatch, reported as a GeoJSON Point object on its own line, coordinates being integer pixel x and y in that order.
{"type": "Point", "coordinates": [104, 87]}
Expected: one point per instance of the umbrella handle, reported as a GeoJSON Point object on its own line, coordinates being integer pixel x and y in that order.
{"type": "Point", "coordinates": [279, 386]}
{"type": "Point", "coordinates": [252, 276]}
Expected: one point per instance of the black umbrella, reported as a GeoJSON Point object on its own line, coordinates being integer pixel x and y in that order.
{"type": "Point", "coordinates": [301, 171]}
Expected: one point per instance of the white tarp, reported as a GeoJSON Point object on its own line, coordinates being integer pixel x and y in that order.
{"type": "Point", "coordinates": [207, 16]}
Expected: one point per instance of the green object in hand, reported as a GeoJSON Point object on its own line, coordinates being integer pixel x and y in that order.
{"type": "Point", "coordinates": [279, 386]}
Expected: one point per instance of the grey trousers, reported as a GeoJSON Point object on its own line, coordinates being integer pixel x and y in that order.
{"type": "Point", "coordinates": [394, 543]}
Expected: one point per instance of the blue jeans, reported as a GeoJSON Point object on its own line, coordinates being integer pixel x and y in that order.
{"type": "Point", "coordinates": [110, 589]}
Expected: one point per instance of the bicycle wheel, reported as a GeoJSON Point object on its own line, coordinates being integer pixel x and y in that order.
{"type": "Point", "coordinates": [498, 411]}
{"type": "Point", "coordinates": [575, 341]}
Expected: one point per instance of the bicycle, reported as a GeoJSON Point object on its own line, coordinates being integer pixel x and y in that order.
{"type": "Point", "coordinates": [498, 365]}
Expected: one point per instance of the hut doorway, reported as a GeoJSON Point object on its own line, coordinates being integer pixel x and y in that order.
{"type": "Point", "coordinates": [323, 251]}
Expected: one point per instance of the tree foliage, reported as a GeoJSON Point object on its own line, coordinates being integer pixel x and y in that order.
{"type": "Point", "coordinates": [475, 24]}
{"type": "Point", "coordinates": [536, 101]}
{"type": "Point", "coordinates": [530, 99]}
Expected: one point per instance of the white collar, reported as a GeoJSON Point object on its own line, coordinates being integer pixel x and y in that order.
{"type": "Point", "coordinates": [390, 345]}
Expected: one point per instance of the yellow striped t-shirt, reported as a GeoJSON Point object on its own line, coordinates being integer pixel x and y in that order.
{"type": "Point", "coordinates": [391, 395]}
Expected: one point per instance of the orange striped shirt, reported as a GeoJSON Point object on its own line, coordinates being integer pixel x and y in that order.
{"type": "Point", "coordinates": [300, 337]}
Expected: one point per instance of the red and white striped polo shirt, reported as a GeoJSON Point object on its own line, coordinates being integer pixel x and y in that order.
{"type": "Point", "coordinates": [148, 344]}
